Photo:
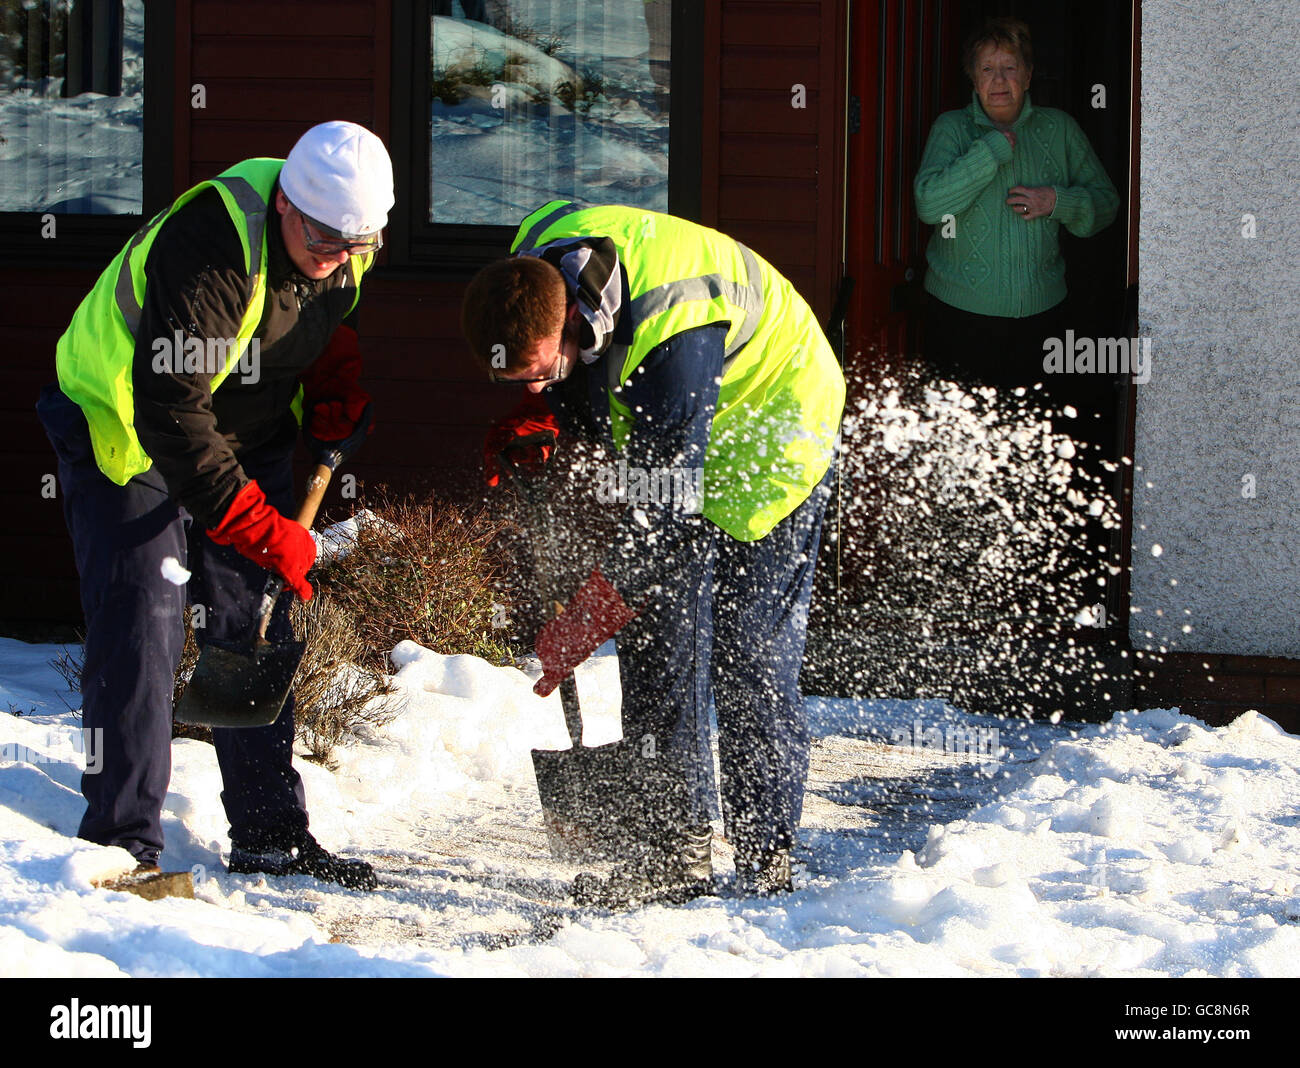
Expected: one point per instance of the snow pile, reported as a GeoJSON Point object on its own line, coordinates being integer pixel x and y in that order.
{"type": "Point", "coordinates": [1132, 849]}
{"type": "Point", "coordinates": [1151, 845]}
{"type": "Point", "coordinates": [338, 539]}
{"type": "Point", "coordinates": [467, 727]}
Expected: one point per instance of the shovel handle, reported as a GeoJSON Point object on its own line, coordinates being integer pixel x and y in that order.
{"type": "Point", "coordinates": [316, 487]}
{"type": "Point", "coordinates": [539, 519]}
{"type": "Point", "coordinates": [572, 709]}
{"type": "Point", "coordinates": [311, 502]}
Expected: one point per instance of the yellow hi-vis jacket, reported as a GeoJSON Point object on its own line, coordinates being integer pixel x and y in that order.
{"type": "Point", "coordinates": [782, 392]}
{"type": "Point", "coordinates": [96, 352]}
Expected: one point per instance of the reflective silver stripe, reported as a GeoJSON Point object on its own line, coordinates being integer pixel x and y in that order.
{"type": "Point", "coordinates": [124, 291]}
{"type": "Point", "coordinates": [747, 296]}
{"type": "Point", "coordinates": [249, 201]}
{"type": "Point", "coordinates": [539, 227]}
{"type": "Point", "coordinates": [254, 207]}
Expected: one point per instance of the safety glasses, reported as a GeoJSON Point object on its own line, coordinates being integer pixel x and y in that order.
{"type": "Point", "coordinates": [331, 246]}
{"type": "Point", "coordinates": [556, 374]}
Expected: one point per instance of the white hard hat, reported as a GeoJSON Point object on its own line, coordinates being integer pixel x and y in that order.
{"type": "Point", "coordinates": [339, 176]}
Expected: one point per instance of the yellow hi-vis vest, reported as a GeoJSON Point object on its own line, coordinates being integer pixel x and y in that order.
{"type": "Point", "coordinates": [782, 392]}
{"type": "Point", "coordinates": [96, 352]}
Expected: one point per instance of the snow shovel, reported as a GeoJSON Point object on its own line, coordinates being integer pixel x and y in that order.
{"type": "Point", "coordinates": [237, 685]}
{"type": "Point", "coordinates": [582, 789]}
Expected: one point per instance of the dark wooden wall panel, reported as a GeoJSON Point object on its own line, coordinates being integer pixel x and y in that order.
{"type": "Point", "coordinates": [272, 70]}
{"type": "Point", "coordinates": [760, 112]}
{"type": "Point", "coordinates": [37, 574]}
{"type": "Point", "coordinates": [305, 19]}
{"type": "Point", "coordinates": [777, 184]}
{"type": "Point", "coordinates": [283, 60]}
{"type": "Point", "coordinates": [773, 156]}
{"type": "Point", "coordinates": [762, 23]}
{"type": "Point", "coordinates": [233, 100]}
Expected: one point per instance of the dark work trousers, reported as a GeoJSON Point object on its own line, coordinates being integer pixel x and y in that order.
{"type": "Point", "coordinates": [731, 626]}
{"type": "Point", "coordinates": [135, 633]}
{"type": "Point", "coordinates": [990, 350]}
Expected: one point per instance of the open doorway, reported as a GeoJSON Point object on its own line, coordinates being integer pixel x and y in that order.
{"type": "Point", "coordinates": [905, 70]}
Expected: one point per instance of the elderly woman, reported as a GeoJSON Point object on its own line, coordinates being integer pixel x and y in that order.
{"type": "Point", "coordinates": [998, 180]}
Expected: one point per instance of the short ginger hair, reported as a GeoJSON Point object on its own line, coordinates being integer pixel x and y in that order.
{"type": "Point", "coordinates": [515, 303]}
{"type": "Point", "coordinates": [1006, 32]}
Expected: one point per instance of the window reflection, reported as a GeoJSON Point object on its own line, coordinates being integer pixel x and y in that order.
{"type": "Point", "coordinates": [71, 106]}
{"type": "Point", "coordinates": [535, 99]}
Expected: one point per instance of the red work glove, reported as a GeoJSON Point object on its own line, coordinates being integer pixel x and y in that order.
{"type": "Point", "coordinates": [532, 416]}
{"type": "Point", "coordinates": [334, 420]}
{"type": "Point", "coordinates": [334, 405]}
{"type": "Point", "coordinates": [259, 532]}
{"type": "Point", "coordinates": [594, 615]}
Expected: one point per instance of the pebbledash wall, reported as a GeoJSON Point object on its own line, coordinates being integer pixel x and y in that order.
{"type": "Point", "coordinates": [1216, 522]}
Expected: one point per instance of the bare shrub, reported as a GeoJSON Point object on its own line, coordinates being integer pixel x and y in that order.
{"type": "Point", "coordinates": [69, 662]}
{"type": "Point", "coordinates": [426, 571]}
{"type": "Point", "coordinates": [337, 696]}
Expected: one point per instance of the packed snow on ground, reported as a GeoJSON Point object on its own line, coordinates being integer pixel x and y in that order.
{"type": "Point", "coordinates": [338, 539]}
{"type": "Point", "coordinates": [1151, 845]}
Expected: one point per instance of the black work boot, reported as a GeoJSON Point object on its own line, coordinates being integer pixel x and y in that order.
{"type": "Point", "coordinates": [308, 857]}
{"type": "Point", "coordinates": [764, 874]}
{"type": "Point", "coordinates": [676, 869]}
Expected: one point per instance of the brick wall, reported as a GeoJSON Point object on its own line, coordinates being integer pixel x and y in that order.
{"type": "Point", "coordinates": [1217, 688]}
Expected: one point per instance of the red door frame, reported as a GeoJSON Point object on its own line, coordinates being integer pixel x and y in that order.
{"type": "Point", "coordinates": [898, 74]}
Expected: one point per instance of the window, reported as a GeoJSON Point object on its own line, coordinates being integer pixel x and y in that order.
{"type": "Point", "coordinates": [85, 145]}
{"type": "Point", "coordinates": [505, 104]}
{"type": "Point", "coordinates": [72, 101]}
{"type": "Point", "coordinates": [571, 99]}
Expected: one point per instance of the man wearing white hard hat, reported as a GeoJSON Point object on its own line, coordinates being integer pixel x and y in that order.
{"type": "Point", "coordinates": [173, 422]}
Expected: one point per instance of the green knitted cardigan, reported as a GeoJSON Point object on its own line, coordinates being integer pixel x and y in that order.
{"type": "Point", "coordinates": [996, 263]}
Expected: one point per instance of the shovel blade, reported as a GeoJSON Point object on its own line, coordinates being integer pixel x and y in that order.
{"type": "Point", "coordinates": [584, 794]}
{"type": "Point", "coordinates": [239, 687]}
